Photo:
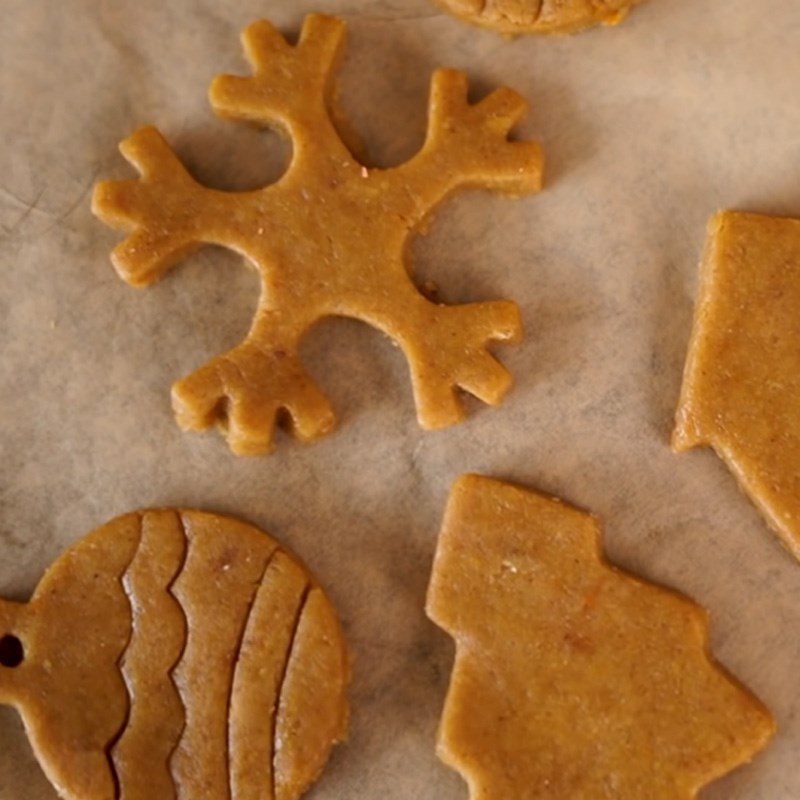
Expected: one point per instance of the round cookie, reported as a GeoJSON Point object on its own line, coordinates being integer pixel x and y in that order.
{"type": "Point", "coordinates": [539, 16]}
{"type": "Point", "coordinates": [176, 654]}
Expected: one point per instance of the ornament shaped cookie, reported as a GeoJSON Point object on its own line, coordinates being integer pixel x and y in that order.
{"type": "Point", "coordinates": [539, 16]}
{"type": "Point", "coordinates": [573, 679]}
{"type": "Point", "coordinates": [329, 239]}
{"type": "Point", "coordinates": [741, 384]}
{"type": "Point", "coordinates": [177, 655]}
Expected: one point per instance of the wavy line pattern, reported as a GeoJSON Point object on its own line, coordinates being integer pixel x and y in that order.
{"type": "Point", "coordinates": [181, 660]}
{"type": "Point", "coordinates": [119, 664]}
{"type": "Point", "coordinates": [158, 650]}
{"type": "Point", "coordinates": [156, 715]}
{"type": "Point", "coordinates": [76, 700]}
{"type": "Point", "coordinates": [224, 566]}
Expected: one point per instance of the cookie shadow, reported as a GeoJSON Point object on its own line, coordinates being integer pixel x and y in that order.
{"type": "Point", "coordinates": [558, 327]}
{"type": "Point", "coordinates": [386, 104]}
{"type": "Point", "coordinates": [18, 765]}
{"type": "Point", "coordinates": [402, 662]}
{"type": "Point", "coordinates": [554, 120]}
{"type": "Point", "coordinates": [361, 371]}
{"type": "Point", "coordinates": [230, 156]}
{"type": "Point", "coordinates": [671, 328]}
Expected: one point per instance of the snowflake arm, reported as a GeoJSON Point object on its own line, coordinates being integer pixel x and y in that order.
{"type": "Point", "coordinates": [454, 355]}
{"type": "Point", "coordinates": [467, 146]}
{"type": "Point", "coordinates": [291, 86]}
{"type": "Point", "coordinates": [245, 390]}
{"type": "Point", "coordinates": [166, 213]}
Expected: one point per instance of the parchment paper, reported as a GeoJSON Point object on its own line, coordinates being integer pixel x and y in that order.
{"type": "Point", "coordinates": [690, 106]}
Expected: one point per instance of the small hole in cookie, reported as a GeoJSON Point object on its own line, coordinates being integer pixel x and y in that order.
{"type": "Point", "coordinates": [12, 654]}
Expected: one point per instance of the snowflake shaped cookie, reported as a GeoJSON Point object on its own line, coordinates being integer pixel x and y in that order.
{"type": "Point", "coordinates": [328, 239]}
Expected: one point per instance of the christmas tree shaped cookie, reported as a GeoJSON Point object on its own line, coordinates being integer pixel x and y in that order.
{"type": "Point", "coordinates": [329, 239]}
{"type": "Point", "coordinates": [574, 680]}
{"type": "Point", "coordinates": [176, 655]}
{"type": "Point", "coordinates": [539, 16]}
{"type": "Point", "coordinates": [741, 385]}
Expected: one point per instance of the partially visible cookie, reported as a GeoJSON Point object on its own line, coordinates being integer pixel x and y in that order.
{"type": "Point", "coordinates": [176, 654]}
{"type": "Point", "coordinates": [539, 16]}
{"type": "Point", "coordinates": [741, 385]}
{"type": "Point", "coordinates": [574, 680]}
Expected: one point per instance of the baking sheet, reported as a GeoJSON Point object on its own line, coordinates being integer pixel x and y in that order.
{"type": "Point", "coordinates": [690, 106]}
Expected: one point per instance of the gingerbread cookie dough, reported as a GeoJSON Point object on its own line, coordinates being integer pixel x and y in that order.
{"type": "Point", "coordinates": [741, 385]}
{"type": "Point", "coordinates": [329, 239]}
{"type": "Point", "coordinates": [539, 16]}
{"type": "Point", "coordinates": [572, 678]}
{"type": "Point", "coordinates": [177, 654]}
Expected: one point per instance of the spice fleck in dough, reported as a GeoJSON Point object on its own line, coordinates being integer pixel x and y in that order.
{"type": "Point", "coordinates": [329, 239]}
{"type": "Point", "coordinates": [572, 679]}
{"type": "Point", "coordinates": [741, 385]}
{"type": "Point", "coordinates": [539, 16]}
{"type": "Point", "coordinates": [177, 655]}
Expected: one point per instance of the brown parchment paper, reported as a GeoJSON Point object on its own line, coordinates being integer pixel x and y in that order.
{"type": "Point", "coordinates": [690, 106]}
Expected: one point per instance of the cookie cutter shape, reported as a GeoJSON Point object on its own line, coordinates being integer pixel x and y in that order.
{"type": "Point", "coordinates": [329, 239]}
{"type": "Point", "coordinates": [539, 16]}
{"type": "Point", "coordinates": [741, 383]}
{"type": "Point", "coordinates": [573, 679]}
{"type": "Point", "coordinates": [177, 655]}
